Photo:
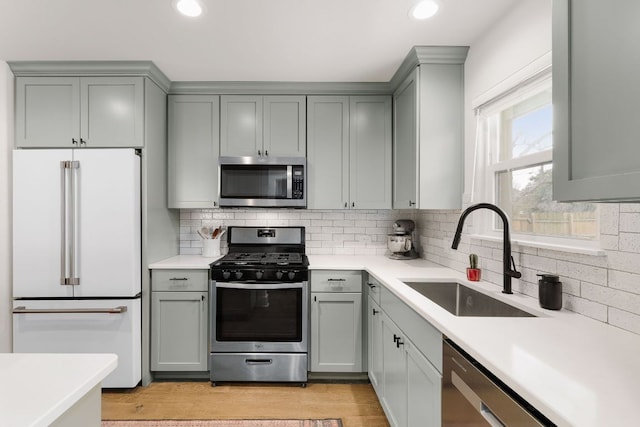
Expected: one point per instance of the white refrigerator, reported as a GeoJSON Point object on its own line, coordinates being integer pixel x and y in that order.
{"type": "Point", "coordinates": [77, 255]}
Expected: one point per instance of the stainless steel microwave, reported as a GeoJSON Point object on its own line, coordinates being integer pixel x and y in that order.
{"type": "Point", "coordinates": [266, 182]}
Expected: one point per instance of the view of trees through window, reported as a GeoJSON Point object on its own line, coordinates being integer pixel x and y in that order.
{"type": "Point", "coordinates": [524, 189]}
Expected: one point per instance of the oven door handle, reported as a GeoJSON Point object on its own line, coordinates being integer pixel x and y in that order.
{"type": "Point", "coordinates": [258, 286]}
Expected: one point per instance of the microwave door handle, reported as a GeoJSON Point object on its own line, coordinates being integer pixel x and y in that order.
{"type": "Point", "coordinates": [475, 400]}
{"type": "Point", "coordinates": [289, 182]}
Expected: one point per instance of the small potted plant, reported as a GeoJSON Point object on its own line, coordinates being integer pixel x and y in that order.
{"type": "Point", "coordinates": [473, 272]}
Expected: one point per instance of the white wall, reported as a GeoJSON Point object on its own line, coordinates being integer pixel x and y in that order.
{"type": "Point", "coordinates": [6, 138]}
{"type": "Point", "coordinates": [605, 288]}
{"type": "Point", "coordinates": [518, 40]}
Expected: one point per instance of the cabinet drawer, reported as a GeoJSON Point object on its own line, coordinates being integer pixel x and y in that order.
{"type": "Point", "coordinates": [179, 280]}
{"type": "Point", "coordinates": [336, 281]}
{"type": "Point", "coordinates": [426, 338]}
{"type": "Point", "coordinates": [374, 287]}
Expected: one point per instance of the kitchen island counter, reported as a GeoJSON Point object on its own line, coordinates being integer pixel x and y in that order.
{"type": "Point", "coordinates": [573, 369]}
{"type": "Point", "coordinates": [39, 389]}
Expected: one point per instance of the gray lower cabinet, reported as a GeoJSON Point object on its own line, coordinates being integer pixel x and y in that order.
{"type": "Point", "coordinates": [263, 126]}
{"type": "Point", "coordinates": [373, 318]}
{"type": "Point", "coordinates": [92, 112]}
{"type": "Point", "coordinates": [336, 321]}
{"type": "Point", "coordinates": [194, 148]}
{"type": "Point", "coordinates": [179, 320]}
{"type": "Point", "coordinates": [596, 62]}
{"type": "Point", "coordinates": [405, 362]}
{"type": "Point", "coordinates": [349, 152]}
{"type": "Point", "coordinates": [428, 126]}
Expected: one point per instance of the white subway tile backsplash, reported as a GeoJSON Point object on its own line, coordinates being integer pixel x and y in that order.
{"type": "Point", "coordinates": [630, 222]}
{"type": "Point", "coordinates": [624, 281]}
{"type": "Point", "coordinates": [585, 307]}
{"type": "Point", "coordinates": [609, 218]}
{"type": "Point", "coordinates": [624, 320]}
{"type": "Point", "coordinates": [629, 242]}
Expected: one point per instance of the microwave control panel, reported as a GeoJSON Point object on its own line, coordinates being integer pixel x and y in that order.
{"type": "Point", "coordinates": [298, 182]}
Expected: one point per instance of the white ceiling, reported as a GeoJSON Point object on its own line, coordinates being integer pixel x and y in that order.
{"type": "Point", "coordinates": [241, 40]}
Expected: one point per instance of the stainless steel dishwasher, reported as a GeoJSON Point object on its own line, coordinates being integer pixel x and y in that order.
{"type": "Point", "coordinates": [472, 396]}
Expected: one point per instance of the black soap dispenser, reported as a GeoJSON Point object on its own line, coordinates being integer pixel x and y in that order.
{"type": "Point", "coordinates": [550, 291]}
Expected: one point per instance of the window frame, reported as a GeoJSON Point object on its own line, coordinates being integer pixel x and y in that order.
{"type": "Point", "coordinates": [487, 165]}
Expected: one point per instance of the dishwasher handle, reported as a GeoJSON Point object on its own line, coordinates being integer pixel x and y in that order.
{"type": "Point", "coordinates": [475, 400]}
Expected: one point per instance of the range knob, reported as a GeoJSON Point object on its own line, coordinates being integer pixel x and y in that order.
{"type": "Point", "coordinates": [259, 274]}
{"type": "Point", "coordinates": [291, 275]}
{"type": "Point", "coordinates": [238, 274]}
{"type": "Point", "coordinates": [279, 274]}
{"type": "Point", "coordinates": [226, 274]}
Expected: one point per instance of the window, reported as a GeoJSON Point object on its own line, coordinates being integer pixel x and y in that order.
{"type": "Point", "coordinates": [516, 137]}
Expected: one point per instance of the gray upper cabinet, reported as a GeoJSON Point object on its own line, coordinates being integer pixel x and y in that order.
{"type": "Point", "coordinates": [405, 147]}
{"type": "Point", "coordinates": [262, 126]}
{"type": "Point", "coordinates": [349, 152]}
{"type": "Point", "coordinates": [194, 148]}
{"type": "Point", "coordinates": [327, 152]}
{"type": "Point", "coordinates": [284, 126]}
{"type": "Point", "coordinates": [596, 62]}
{"type": "Point", "coordinates": [370, 152]}
{"type": "Point", "coordinates": [93, 112]}
{"type": "Point", "coordinates": [429, 129]}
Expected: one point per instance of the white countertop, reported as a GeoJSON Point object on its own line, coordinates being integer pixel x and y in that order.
{"type": "Point", "coordinates": [35, 389]}
{"type": "Point", "coordinates": [575, 370]}
{"type": "Point", "coordinates": [180, 262]}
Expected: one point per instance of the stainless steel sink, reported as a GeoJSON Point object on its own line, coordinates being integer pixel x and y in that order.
{"type": "Point", "coordinates": [463, 301]}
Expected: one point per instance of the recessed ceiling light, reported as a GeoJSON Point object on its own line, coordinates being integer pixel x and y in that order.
{"type": "Point", "coordinates": [190, 8]}
{"type": "Point", "coordinates": [424, 9]}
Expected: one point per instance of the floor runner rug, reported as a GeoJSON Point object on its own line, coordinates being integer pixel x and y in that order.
{"type": "Point", "coordinates": [224, 423]}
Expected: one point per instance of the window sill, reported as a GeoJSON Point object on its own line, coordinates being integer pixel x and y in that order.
{"type": "Point", "coordinates": [593, 251]}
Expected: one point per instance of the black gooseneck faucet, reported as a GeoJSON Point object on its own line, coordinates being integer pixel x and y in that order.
{"type": "Point", "coordinates": [508, 265]}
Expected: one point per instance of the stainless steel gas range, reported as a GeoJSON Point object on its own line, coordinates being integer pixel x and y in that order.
{"type": "Point", "coordinates": [259, 296]}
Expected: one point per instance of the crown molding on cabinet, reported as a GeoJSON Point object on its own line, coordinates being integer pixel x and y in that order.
{"type": "Point", "coordinates": [279, 88]}
{"type": "Point", "coordinates": [416, 56]}
{"type": "Point", "coordinates": [91, 68]}
{"type": "Point", "coordinates": [428, 55]}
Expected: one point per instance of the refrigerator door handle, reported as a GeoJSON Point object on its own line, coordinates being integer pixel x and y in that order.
{"type": "Point", "coordinates": [63, 222]}
{"type": "Point", "coordinates": [115, 310]}
{"type": "Point", "coordinates": [73, 267]}
{"type": "Point", "coordinates": [68, 208]}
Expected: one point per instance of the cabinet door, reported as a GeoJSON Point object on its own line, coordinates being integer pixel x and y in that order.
{"type": "Point", "coordinates": [405, 143]}
{"type": "Point", "coordinates": [112, 111]}
{"type": "Point", "coordinates": [374, 343]}
{"type": "Point", "coordinates": [328, 152]}
{"type": "Point", "coordinates": [336, 332]}
{"type": "Point", "coordinates": [394, 375]}
{"type": "Point", "coordinates": [596, 63]}
{"type": "Point", "coordinates": [194, 147]}
{"type": "Point", "coordinates": [370, 152]}
{"type": "Point", "coordinates": [284, 126]}
{"type": "Point", "coordinates": [424, 384]}
{"type": "Point", "coordinates": [179, 331]}
{"type": "Point", "coordinates": [240, 125]}
{"type": "Point", "coordinates": [47, 112]}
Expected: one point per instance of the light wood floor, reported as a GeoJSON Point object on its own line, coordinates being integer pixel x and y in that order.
{"type": "Point", "coordinates": [356, 404]}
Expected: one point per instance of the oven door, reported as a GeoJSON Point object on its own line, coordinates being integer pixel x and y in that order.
{"type": "Point", "coordinates": [259, 317]}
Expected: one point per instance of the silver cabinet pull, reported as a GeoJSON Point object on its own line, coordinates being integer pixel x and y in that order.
{"type": "Point", "coordinates": [336, 280]}
{"type": "Point", "coordinates": [179, 278]}
{"type": "Point", "coordinates": [115, 310]}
